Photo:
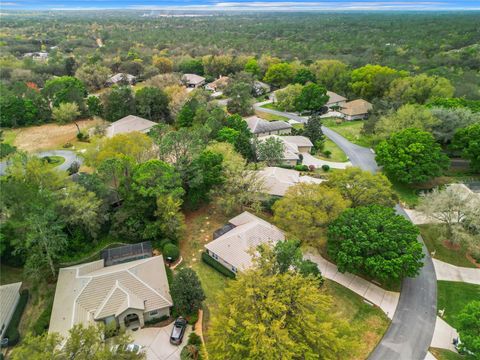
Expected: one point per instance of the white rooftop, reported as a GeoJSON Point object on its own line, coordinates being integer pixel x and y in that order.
{"type": "Point", "coordinates": [278, 180]}
{"type": "Point", "coordinates": [128, 124]}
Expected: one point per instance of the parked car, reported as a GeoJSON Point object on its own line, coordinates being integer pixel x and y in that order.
{"type": "Point", "coordinates": [178, 331]}
{"type": "Point", "coordinates": [134, 348]}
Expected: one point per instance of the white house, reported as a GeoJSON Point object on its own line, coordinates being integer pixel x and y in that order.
{"type": "Point", "coordinates": [128, 124]}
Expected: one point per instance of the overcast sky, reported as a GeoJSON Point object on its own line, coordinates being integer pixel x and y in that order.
{"type": "Point", "coordinates": [289, 5]}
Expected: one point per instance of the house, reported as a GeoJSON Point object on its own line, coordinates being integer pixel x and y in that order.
{"type": "Point", "coordinates": [243, 232]}
{"type": "Point", "coordinates": [121, 78]}
{"type": "Point", "coordinates": [277, 180]}
{"type": "Point", "coordinates": [219, 84]}
{"type": "Point", "coordinates": [37, 56]}
{"type": "Point", "coordinates": [128, 124]}
{"type": "Point", "coordinates": [193, 80]}
{"type": "Point", "coordinates": [9, 296]}
{"type": "Point", "coordinates": [125, 295]}
{"type": "Point", "coordinates": [335, 100]}
{"type": "Point", "coordinates": [261, 127]}
{"type": "Point", "coordinates": [293, 147]}
{"type": "Point", "coordinates": [356, 109]}
{"type": "Point", "coordinates": [260, 88]}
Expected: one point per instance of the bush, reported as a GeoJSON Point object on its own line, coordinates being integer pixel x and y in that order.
{"type": "Point", "coordinates": [190, 352]}
{"type": "Point", "coordinates": [160, 244]}
{"type": "Point", "coordinates": [171, 252]}
{"type": "Point", "coordinates": [325, 167]}
{"type": "Point", "coordinates": [311, 167]}
{"type": "Point", "coordinates": [12, 330]}
{"type": "Point", "coordinates": [194, 339]}
{"type": "Point", "coordinates": [268, 203]}
{"type": "Point", "coordinates": [217, 266]}
{"type": "Point", "coordinates": [327, 153]}
{"type": "Point", "coordinates": [301, 167]}
{"type": "Point", "coordinates": [284, 166]}
{"type": "Point", "coordinates": [81, 136]}
{"type": "Point", "coordinates": [43, 321]}
{"type": "Point", "coordinates": [192, 319]}
{"type": "Point", "coordinates": [67, 145]}
{"type": "Point", "coordinates": [111, 330]}
{"type": "Point", "coordinates": [157, 320]}
{"type": "Point", "coordinates": [73, 168]}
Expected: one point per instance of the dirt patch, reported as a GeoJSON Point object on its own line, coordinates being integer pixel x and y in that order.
{"type": "Point", "coordinates": [49, 136]}
{"type": "Point", "coordinates": [472, 260]}
{"type": "Point", "coordinates": [449, 245]}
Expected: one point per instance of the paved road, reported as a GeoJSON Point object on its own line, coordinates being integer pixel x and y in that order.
{"type": "Point", "coordinates": [410, 333]}
{"type": "Point", "coordinates": [68, 155]}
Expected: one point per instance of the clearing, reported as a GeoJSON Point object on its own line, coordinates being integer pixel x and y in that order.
{"type": "Point", "coordinates": [432, 235]}
{"type": "Point", "coordinates": [453, 297]}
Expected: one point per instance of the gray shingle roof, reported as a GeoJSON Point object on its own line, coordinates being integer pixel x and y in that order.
{"type": "Point", "coordinates": [260, 126]}
{"type": "Point", "coordinates": [128, 124]}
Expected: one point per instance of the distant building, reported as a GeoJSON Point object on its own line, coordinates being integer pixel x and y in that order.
{"type": "Point", "coordinates": [356, 109]}
{"type": "Point", "coordinates": [37, 56]}
{"type": "Point", "coordinates": [126, 295]}
{"type": "Point", "coordinates": [293, 147]}
{"type": "Point", "coordinates": [129, 124]}
{"type": "Point", "coordinates": [121, 78]}
{"type": "Point", "coordinates": [193, 80]}
{"type": "Point", "coordinates": [335, 100]}
{"type": "Point", "coordinates": [261, 127]}
{"type": "Point", "coordinates": [219, 84]}
{"type": "Point", "coordinates": [9, 296]}
{"type": "Point", "coordinates": [278, 180]}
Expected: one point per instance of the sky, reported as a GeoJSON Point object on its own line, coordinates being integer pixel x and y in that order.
{"type": "Point", "coordinates": [239, 5]}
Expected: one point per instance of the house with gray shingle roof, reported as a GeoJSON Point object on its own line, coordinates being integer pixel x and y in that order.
{"type": "Point", "coordinates": [335, 100]}
{"type": "Point", "coordinates": [278, 180]}
{"type": "Point", "coordinates": [246, 232]}
{"type": "Point", "coordinates": [261, 127]}
{"type": "Point", "coordinates": [129, 124]}
{"type": "Point", "coordinates": [121, 78]}
{"type": "Point", "coordinates": [9, 296]}
{"type": "Point", "coordinates": [193, 80]}
{"type": "Point", "coordinates": [126, 294]}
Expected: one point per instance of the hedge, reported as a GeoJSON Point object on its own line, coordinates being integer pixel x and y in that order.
{"type": "Point", "coordinates": [12, 330]}
{"type": "Point", "coordinates": [43, 321]}
{"type": "Point", "coordinates": [217, 266]}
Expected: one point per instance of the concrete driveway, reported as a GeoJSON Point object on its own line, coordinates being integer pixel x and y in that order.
{"type": "Point", "coordinates": [156, 342]}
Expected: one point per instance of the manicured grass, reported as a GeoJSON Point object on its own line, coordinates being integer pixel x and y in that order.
{"type": "Point", "coordinates": [433, 237]}
{"type": "Point", "coordinates": [337, 154]}
{"type": "Point", "coordinates": [271, 106]}
{"type": "Point", "coordinates": [270, 117]}
{"type": "Point", "coordinates": [53, 161]}
{"type": "Point", "coordinates": [453, 297]}
{"type": "Point", "coordinates": [443, 354]}
{"type": "Point", "coordinates": [369, 323]}
{"type": "Point", "coordinates": [351, 130]}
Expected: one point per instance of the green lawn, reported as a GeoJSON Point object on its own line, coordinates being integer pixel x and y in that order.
{"type": "Point", "coordinates": [271, 106]}
{"type": "Point", "coordinates": [453, 296]}
{"type": "Point", "coordinates": [351, 130]}
{"type": "Point", "coordinates": [270, 117]}
{"type": "Point", "coordinates": [9, 136]}
{"type": "Point", "coordinates": [443, 354]}
{"type": "Point", "coordinates": [434, 240]}
{"type": "Point", "coordinates": [337, 154]}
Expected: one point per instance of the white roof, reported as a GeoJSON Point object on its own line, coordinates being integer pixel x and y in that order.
{"type": "Point", "coordinates": [91, 291]}
{"type": "Point", "coordinates": [300, 141]}
{"type": "Point", "coordinates": [278, 180]}
{"type": "Point", "coordinates": [193, 79]}
{"type": "Point", "coordinates": [120, 76]}
{"type": "Point", "coordinates": [8, 300]}
{"type": "Point", "coordinates": [249, 232]}
{"type": "Point", "coordinates": [128, 124]}
{"type": "Point", "coordinates": [334, 98]}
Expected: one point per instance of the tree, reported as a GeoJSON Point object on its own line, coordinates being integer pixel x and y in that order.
{"type": "Point", "coordinates": [163, 64]}
{"type": "Point", "coordinates": [94, 105]}
{"type": "Point", "coordinates": [411, 156]}
{"type": "Point", "coordinates": [419, 89]}
{"type": "Point", "coordinates": [187, 292]}
{"type": "Point", "coordinates": [331, 74]}
{"type": "Point", "coordinates": [306, 210]}
{"type": "Point", "coordinates": [372, 81]}
{"type": "Point", "coordinates": [374, 241]}
{"type": "Point", "coordinates": [152, 104]}
{"type": "Point", "coordinates": [469, 328]}
{"type": "Point", "coordinates": [312, 98]}
{"type": "Point", "coordinates": [236, 132]}
{"type": "Point", "coordinates": [286, 98]}
{"type": "Point", "coordinates": [279, 75]}
{"type": "Point", "coordinates": [191, 66]}
{"type": "Point", "coordinates": [118, 103]}
{"type": "Point", "coordinates": [270, 150]}
{"type": "Point", "coordinates": [449, 120]}
{"type": "Point", "coordinates": [261, 311]}
{"type": "Point", "coordinates": [187, 114]}
{"type": "Point", "coordinates": [252, 67]}
{"type": "Point", "coordinates": [65, 89]}
{"type": "Point", "coordinates": [303, 76]}
{"type": "Point", "coordinates": [362, 188]}
{"type": "Point", "coordinates": [468, 141]}
{"type": "Point", "coordinates": [313, 130]}
{"type": "Point", "coordinates": [240, 99]}
{"type": "Point", "coordinates": [93, 76]}
{"type": "Point", "coordinates": [407, 116]}
{"type": "Point", "coordinates": [81, 343]}
{"type": "Point", "coordinates": [66, 113]}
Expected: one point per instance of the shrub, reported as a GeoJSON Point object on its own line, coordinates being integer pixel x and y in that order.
{"type": "Point", "coordinates": [81, 136]}
{"type": "Point", "coordinates": [171, 252]}
{"type": "Point", "coordinates": [160, 244]}
{"type": "Point", "coordinates": [217, 266]}
{"type": "Point", "coordinates": [311, 167]}
{"type": "Point", "coordinates": [67, 145]}
{"type": "Point", "coordinates": [169, 275]}
{"type": "Point", "coordinates": [194, 339]}
{"type": "Point", "coordinates": [190, 352]}
{"type": "Point", "coordinates": [73, 168]}
{"type": "Point", "coordinates": [43, 321]}
{"type": "Point", "coordinates": [327, 153]}
{"type": "Point", "coordinates": [325, 167]}
{"type": "Point", "coordinates": [268, 203]}
{"type": "Point", "coordinates": [301, 167]}
{"type": "Point", "coordinates": [285, 166]}
{"type": "Point", "coordinates": [192, 319]}
{"type": "Point", "coordinates": [12, 330]}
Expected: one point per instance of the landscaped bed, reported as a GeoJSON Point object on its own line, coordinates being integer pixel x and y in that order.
{"type": "Point", "coordinates": [453, 297]}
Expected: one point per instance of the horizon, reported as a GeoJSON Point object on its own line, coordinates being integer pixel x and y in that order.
{"type": "Point", "coordinates": [243, 5]}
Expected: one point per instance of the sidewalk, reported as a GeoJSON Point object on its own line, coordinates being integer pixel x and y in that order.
{"type": "Point", "coordinates": [450, 272]}
{"type": "Point", "coordinates": [386, 300]}
{"type": "Point", "coordinates": [443, 335]}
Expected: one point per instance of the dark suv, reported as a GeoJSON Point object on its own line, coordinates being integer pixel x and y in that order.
{"type": "Point", "coordinates": [178, 331]}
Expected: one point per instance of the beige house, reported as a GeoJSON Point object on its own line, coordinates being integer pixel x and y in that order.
{"type": "Point", "coordinates": [335, 100]}
{"type": "Point", "coordinates": [261, 127]}
{"type": "Point", "coordinates": [129, 124]}
{"type": "Point", "coordinates": [126, 294]}
{"type": "Point", "coordinates": [278, 180]}
{"type": "Point", "coordinates": [356, 109]}
{"type": "Point", "coordinates": [293, 147]}
{"type": "Point", "coordinates": [121, 77]}
{"type": "Point", "coordinates": [9, 296]}
{"type": "Point", "coordinates": [193, 80]}
{"type": "Point", "coordinates": [245, 232]}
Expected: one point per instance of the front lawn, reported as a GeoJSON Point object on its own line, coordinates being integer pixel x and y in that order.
{"type": "Point", "coordinates": [270, 117]}
{"type": "Point", "coordinates": [443, 354]}
{"type": "Point", "coordinates": [435, 242]}
{"type": "Point", "coordinates": [351, 130]}
{"type": "Point", "coordinates": [337, 154]}
{"type": "Point", "coordinates": [272, 106]}
{"type": "Point", "coordinates": [453, 297]}
{"type": "Point", "coordinates": [408, 195]}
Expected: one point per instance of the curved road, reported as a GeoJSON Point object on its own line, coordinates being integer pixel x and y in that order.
{"type": "Point", "coordinates": [411, 331]}
{"type": "Point", "coordinates": [68, 155]}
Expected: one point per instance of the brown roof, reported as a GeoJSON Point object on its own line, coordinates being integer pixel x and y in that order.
{"type": "Point", "coordinates": [356, 107]}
